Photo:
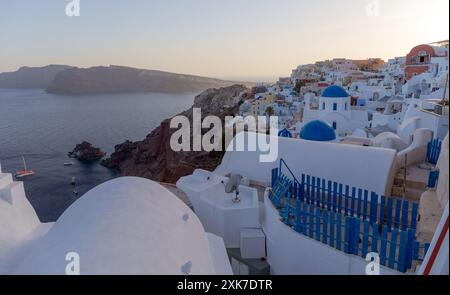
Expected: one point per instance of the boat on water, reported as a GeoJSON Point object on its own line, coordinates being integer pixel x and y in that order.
{"type": "Point", "coordinates": [25, 172]}
{"type": "Point", "coordinates": [68, 164]}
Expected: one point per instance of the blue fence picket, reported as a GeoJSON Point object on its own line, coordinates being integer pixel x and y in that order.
{"type": "Point", "coordinates": [356, 235]}
{"type": "Point", "coordinates": [340, 197]}
{"type": "Point", "coordinates": [433, 178]}
{"type": "Point", "coordinates": [274, 176]}
{"type": "Point", "coordinates": [393, 248]}
{"type": "Point", "coordinates": [325, 228]}
{"type": "Point", "coordinates": [297, 215]}
{"type": "Point", "coordinates": [332, 223]}
{"type": "Point", "coordinates": [305, 218]}
{"type": "Point", "coordinates": [405, 215]}
{"type": "Point", "coordinates": [373, 208]}
{"type": "Point", "coordinates": [414, 213]}
{"type": "Point", "coordinates": [329, 196]}
{"type": "Point", "coordinates": [295, 190]}
{"type": "Point", "coordinates": [402, 251]}
{"type": "Point", "coordinates": [365, 241]}
{"type": "Point", "coordinates": [347, 239]}
{"type": "Point", "coordinates": [285, 213]}
{"type": "Point", "coordinates": [438, 151]}
{"type": "Point", "coordinates": [353, 200]}
{"type": "Point", "coordinates": [410, 248]}
{"type": "Point", "coordinates": [382, 210]}
{"type": "Point", "coordinates": [317, 224]}
{"type": "Point", "coordinates": [313, 190]}
{"type": "Point", "coordinates": [374, 237]}
{"type": "Point", "coordinates": [398, 207]}
{"type": "Point", "coordinates": [426, 247]}
{"type": "Point", "coordinates": [308, 188]}
{"type": "Point", "coordinates": [311, 221]}
{"type": "Point", "coordinates": [383, 251]}
{"type": "Point", "coordinates": [324, 192]}
{"type": "Point", "coordinates": [302, 189]}
{"type": "Point", "coordinates": [359, 203]}
{"type": "Point", "coordinates": [319, 193]}
{"type": "Point", "coordinates": [434, 150]}
{"type": "Point", "coordinates": [366, 201]}
{"type": "Point", "coordinates": [338, 231]}
{"type": "Point", "coordinates": [389, 212]}
{"type": "Point", "coordinates": [346, 205]}
{"type": "Point", "coordinates": [335, 185]}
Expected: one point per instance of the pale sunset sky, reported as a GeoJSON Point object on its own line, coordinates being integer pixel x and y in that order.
{"type": "Point", "coordinates": [233, 39]}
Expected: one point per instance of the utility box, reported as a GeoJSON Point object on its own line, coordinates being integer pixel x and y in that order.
{"type": "Point", "coordinates": [252, 243]}
{"type": "Point", "coordinates": [252, 267]}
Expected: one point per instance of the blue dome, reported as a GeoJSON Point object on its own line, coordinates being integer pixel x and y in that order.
{"type": "Point", "coordinates": [335, 91]}
{"type": "Point", "coordinates": [317, 131]}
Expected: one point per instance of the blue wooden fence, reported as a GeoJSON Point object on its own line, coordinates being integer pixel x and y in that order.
{"type": "Point", "coordinates": [349, 201]}
{"type": "Point", "coordinates": [434, 150]}
{"type": "Point", "coordinates": [348, 219]}
{"type": "Point", "coordinates": [433, 178]}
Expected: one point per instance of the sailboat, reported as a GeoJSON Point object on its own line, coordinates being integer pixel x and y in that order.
{"type": "Point", "coordinates": [25, 171]}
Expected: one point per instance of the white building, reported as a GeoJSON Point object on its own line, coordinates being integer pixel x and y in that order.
{"type": "Point", "coordinates": [334, 108]}
{"type": "Point", "coordinates": [394, 67]}
{"type": "Point", "coordinates": [127, 226]}
{"type": "Point", "coordinates": [286, 250]}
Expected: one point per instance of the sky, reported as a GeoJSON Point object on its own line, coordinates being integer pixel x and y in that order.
{"type": "Point", "coordinates": [233, 39]}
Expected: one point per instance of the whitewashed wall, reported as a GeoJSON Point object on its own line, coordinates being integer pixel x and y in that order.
{"type": "Point", "coordinates": [364, 167]}
{"type": "Point", "coordinates": [290, 253]}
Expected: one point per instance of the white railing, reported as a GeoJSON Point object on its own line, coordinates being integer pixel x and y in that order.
{"type": "Point", "coordinates": [435, 106]}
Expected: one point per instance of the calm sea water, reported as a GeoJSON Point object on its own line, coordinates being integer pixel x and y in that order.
{"type": "Point", "coordinates": [44, 128]}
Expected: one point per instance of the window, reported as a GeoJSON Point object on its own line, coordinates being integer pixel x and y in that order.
{"type": "Point", "coordinates": [334, 106]}
{"type": "Point", "coordinates": [423, 57]}
{"type": "Point", "coordinates": [346, 106]}
{"type": "Point", "coordinates": [323, 106]}
{"type": "Point", "coordinates": [334, 125]}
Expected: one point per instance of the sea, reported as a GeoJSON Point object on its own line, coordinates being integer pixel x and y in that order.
{"type": "Point", "coordinates": [44, 127]}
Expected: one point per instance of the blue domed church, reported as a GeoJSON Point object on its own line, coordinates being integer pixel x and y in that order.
{"type": "Point", "coordinates": [333, 108]}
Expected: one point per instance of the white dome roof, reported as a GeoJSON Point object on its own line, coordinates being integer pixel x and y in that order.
{"type": "Point", "coordinates": [126, 226]}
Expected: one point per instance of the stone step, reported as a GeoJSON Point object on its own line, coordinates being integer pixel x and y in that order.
{"type": "Point", "coordinates": [411, 194]}
{"type": "Point", "coordinates": [411, 183]}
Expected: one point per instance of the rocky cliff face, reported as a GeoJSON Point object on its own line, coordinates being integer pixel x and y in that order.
{"type": "Point", "coordinates": [153, 157]}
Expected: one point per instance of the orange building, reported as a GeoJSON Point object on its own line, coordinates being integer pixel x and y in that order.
{"type": "Point", "coordinates": [419, 59]}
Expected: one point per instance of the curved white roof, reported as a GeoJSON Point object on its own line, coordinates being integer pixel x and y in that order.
{"type": "Point", "coordinates": [126, 226]}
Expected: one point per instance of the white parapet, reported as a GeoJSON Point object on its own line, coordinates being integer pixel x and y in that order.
{"type": "Point", "coordinates": [215, 208]}
{"type": "Point", "coordinates": [18, 220]}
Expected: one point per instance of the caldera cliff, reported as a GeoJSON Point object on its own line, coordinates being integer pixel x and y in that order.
{"type": "Point", "coordinates": [153, 157]}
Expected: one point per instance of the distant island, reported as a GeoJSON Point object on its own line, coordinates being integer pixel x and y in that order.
{"type": "Point", "coordinates": [29, 77]}
{"type": "Point", "coordinates": [62, 79]}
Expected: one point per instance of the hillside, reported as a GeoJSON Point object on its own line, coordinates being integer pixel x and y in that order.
{"type": "Point", "coordinates": [118, 79]}
{"type": "Point", "coordinates": [31, 77]}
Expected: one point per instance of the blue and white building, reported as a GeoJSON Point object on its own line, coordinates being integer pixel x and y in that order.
{"type": "Point", "coordinates": [335, 109]}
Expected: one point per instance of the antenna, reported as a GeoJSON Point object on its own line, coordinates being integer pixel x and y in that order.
{"type": "Point", "coordinates": [445, 89]}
